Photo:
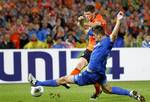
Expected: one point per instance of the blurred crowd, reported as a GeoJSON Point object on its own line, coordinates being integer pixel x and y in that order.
{"type": "Point", "coordinates": [52, 23]}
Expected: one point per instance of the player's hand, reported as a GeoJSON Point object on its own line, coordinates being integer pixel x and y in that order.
{"type": "Point", "coordinates": [120, 15]}
{"type": "Point", "coordinates": [81, 18]}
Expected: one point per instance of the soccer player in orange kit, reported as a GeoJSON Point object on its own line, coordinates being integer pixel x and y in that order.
{"type": "Point", "coordinates": [93, 20]}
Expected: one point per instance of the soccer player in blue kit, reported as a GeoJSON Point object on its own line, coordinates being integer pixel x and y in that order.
{"type": "Point", "coordinates": [96, 68]}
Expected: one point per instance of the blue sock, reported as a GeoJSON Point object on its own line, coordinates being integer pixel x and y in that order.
{"type": "Point", "coordinates": [51, 83]}
{"type": "Point", "coordinates": [120, 91]}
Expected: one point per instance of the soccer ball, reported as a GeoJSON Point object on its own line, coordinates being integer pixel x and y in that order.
{"type": "Point", "coordinates": [37, 91]}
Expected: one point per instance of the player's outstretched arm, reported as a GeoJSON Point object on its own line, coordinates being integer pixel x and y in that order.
{"type": "Point", "coordinates": [114, 33]}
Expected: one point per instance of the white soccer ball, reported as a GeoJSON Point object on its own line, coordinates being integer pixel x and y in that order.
{"type": "Point", "coordinates": [37, 91]}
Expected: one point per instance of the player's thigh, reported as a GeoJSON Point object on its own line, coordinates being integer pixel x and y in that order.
{"type": "Point", "coordinates": [87, 55]}
{"type": "Point", "coordinates": [65, 79]}
{"type": "Point", "coordinates": [85, 78]}
{"type": "Point", "coordinates": [82, 63]}
{"type": "Point", "coordinates": [84, 60]}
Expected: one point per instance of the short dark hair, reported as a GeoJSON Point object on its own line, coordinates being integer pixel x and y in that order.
{"type": "Point", "coordinates": [98, 30]}
{"type": "Point", "coordinates": [90, 8]}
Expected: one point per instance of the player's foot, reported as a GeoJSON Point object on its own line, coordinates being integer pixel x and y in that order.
{"type": "Point", "coordinates": [32, 79]}
{"type": "Point", "coordinates": [94, 97]}
{"type": "Point", "coordinates": [67, 86]}
{"type": "Point", "coordinates": [137, 96]}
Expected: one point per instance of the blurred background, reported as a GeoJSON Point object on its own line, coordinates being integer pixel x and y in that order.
{"type": "Point", "coordinates": [52, 23]}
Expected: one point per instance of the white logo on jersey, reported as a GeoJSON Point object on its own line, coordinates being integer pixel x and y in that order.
{"type": "Point", "coordinates": [98, 44]}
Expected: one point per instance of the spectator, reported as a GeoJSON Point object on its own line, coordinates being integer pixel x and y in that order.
{"type": "Point", "coordinates": [8, 44]}
{"type": "Point", "coordinates": [15, 38]}
{"type": "Point", "coordinates": [59, 16]}
{"type": "Point", "coordinates": [146, 42]}
{"type": "Point", "coordinates": [82, 42]}
{"type": "Point", "coordinates": [139, 39]}
{"type": "Point", "coordinates": [5, 42]}
{"type": "Point", "coordinates": [44, 32]}
{"type": "Point", "coordinates": [59, 43]}
{"type": "Point", "coordinates": [58, 31]}
{"type": "Point", "coordinates": [49, 41]}
{"type": "Point", "coordinates": [2, 45]}
{"type": "Point", "coordinates": [120, 39]}
{"type": "Point", "coordinates": [119, 42]}
{"type": "Point", "coordinates": [129, 40]}
{"type": "Point", "coordinates": [24, 39]}
{"type": "Point", "coordinates": [32, 29]}
{"type": "Point", "coordinates": [70, 41]}
{"type": "Point", "coordinates": [34, 43]}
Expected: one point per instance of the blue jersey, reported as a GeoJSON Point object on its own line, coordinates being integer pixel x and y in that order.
{"type": "Point", "coordinates": [99, 55]}
{"type": "Point", "coordinates": [97, 65]}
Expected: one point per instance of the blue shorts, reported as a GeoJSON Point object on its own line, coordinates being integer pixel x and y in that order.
{"type": "Point", "coordinates": [87, 78]}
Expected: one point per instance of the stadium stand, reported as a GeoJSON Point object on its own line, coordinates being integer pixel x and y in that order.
{"type": "Point", "coordinates": [54, 19]}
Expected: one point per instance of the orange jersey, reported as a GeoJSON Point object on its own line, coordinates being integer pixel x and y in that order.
{"type": "Point", "coordinates": [99, 19]}
{"type": "Point", "coordinates": [92, 41]}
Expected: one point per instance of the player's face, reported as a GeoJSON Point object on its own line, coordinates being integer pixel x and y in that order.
{"type": "Point", "coordinates": [88, 15]}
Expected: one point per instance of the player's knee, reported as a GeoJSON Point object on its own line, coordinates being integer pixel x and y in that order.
{"type": "Point", "coordinates": [68, 79]}
{"type": "Point", "coordinates": [107, 90]}
{"type": "Point", "coordinates": [65, 79]}
{"type": "Point", "coordinates": [62, 80]}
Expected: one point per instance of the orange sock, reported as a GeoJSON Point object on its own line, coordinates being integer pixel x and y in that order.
{"type": "Point", "coordinates": [75, 72]}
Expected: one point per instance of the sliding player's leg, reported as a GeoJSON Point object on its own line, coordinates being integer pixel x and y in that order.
{"type": "Point", "coordinates": [84, 78]}
{"type": "Point", "coordinates": [51, 83]}
{"type": "Point", "coordinates": [120, 91]}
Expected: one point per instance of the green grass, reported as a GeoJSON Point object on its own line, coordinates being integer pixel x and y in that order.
{"type": "Point", "coordinates": [21, 93]}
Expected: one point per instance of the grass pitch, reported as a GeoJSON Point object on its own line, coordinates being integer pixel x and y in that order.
{"type": "Point", "coordinates": [21, 93]}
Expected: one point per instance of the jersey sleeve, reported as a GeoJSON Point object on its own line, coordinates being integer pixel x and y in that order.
{"type": "Point", "coordinates": [90, 32]}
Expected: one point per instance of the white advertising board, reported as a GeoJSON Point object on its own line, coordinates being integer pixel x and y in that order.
{"type": "Point", "coordinates": [126, 64]}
